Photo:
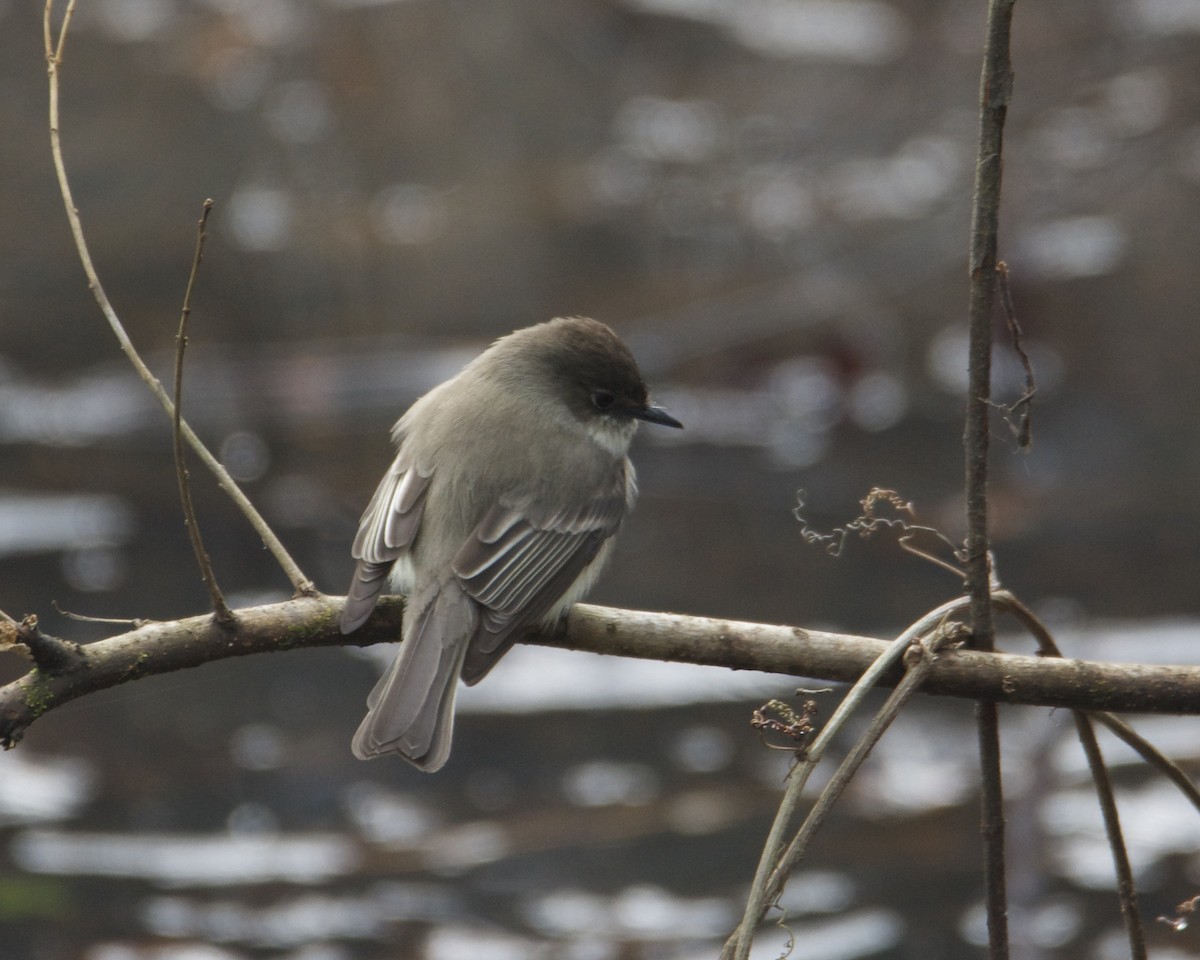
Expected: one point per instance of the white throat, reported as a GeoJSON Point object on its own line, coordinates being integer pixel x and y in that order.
{"type": "Point", "coordinates": [615, 436]}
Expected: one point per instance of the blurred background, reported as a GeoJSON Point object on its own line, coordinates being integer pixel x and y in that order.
{"type": "Point", "coordinates": [770, 200]}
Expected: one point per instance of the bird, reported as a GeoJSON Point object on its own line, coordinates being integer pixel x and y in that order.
{"type": "Point", "coordinates": [510, 482]}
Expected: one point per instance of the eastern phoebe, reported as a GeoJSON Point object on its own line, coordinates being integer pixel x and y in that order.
{"type": "Point", "coordinates": [498, 513]}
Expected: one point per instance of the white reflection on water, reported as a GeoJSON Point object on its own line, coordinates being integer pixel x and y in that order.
{"type": "Point", "coordinates": [603, 783]}
{"type": "Point", "coordinates": [93, 406]}
{"type": "Point", "coordinates": [468, 845]}
{"type": "Point", "coordinates": [703, 749]}
{"type": "Point", "coordinates": [702, 811]}
{"type": "Point", "coordinates": [199, 859]}
{"type": "Point", "coordinates": [532, 679]}
{"type": "Point", "coordinates": [165, 951]}
{"type": "Point", "coordinates": [859, 934]}
{"type": "Point", "coordinates": [859, 31]}
{"type": "Point", "coordinates": [683, 131]}
{"type": "Point", "coordinates": [1071, 247]}
{"type": "Point", "coordinates": [818, 891]}
{"type": "Point", "coordinates": [801, 395]}
{"type": "Point", "coordinates": [389, 817]}
{"type": "Point", "coordinates": [457, 942]}
{"type": "Point", "coordinates": [1054, 923]}
{"type": "Point", "coordinates": [33, 522]}
{"type": "Point", "coordinates": [297, 921]}
{"type": "Point", "coordinates": [1156, 819]}
{"type": "Point", "coordinates": [918, 766]}
{"type": "Point", "coordinates": [642, 911]}
{"type": "Point", "coordinates": [37, 789]}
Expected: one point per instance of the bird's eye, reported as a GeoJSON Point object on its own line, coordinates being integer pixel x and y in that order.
{"type": "Point", "coordinates": [603, 399]}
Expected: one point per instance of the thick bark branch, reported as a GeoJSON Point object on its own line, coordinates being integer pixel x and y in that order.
{"type": "Point", "coordinates": [312, 622]}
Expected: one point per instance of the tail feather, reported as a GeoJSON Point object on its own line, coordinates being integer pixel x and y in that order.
{"type": "Point", "coordinates": [411, 708]}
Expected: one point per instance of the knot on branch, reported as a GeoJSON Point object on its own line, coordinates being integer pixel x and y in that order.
{"type": "Point", "coordinates": [948, 636]}
{"type": "Point", "coordinates": [53, 656]}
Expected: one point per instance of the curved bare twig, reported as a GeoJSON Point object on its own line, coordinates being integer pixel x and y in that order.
{"type": "Point", "coordinates": [54, 50]}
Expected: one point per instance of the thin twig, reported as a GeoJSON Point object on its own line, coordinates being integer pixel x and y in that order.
{"type": "Point", "coordinates": [302, 585]}
{"type": "Point", "coordinates": [1148, 752]}
{"type": "Point", "coordinates": [221, 609]}
{"type": "Point", "coordinates": [905, 543]}
{"type": "Point", "coordinates": [1022, 407]}
{"type": "Point", "coordinates": [995, 88]}
{"type": "Point", "coordinates": [1151, 754]}
{"type": "Point", "coordinates": [133, 622]}
{"type": "Point", "coordinates": [1126, 889]}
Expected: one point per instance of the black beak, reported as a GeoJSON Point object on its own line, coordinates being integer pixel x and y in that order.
{"type": "Point", "coordinates": [658, 415]}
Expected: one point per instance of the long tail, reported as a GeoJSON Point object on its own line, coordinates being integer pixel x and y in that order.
{"type": "Point", "coordinates": [411, 709]}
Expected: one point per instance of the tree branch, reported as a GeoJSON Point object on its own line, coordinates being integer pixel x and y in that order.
{"type": "Point", "coordinates": [312, 622]}
{"type": "Point", "coordinates": [302, 585]}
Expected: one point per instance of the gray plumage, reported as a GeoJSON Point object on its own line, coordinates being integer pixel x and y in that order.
{"type": "Point", "coordinates": [498, 512]}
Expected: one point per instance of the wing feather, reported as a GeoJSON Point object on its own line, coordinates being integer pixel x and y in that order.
{"type": "Point", "coordinates": [386, 531]}
{"type": "Point", "coordinates": [517, 565]}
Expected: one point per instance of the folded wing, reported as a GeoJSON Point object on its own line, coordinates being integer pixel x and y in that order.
{"type": "Point", "coordinates": [519, 563]}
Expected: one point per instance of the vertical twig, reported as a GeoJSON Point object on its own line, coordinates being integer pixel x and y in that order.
{"type": "Point", "coordinates": [991, 827]}
{"type": "Point", "coordinates": [221, 611]}
{"type": "Point", "coordinates": [995, 88]}
{"type": "Point", "coordinates": [994, 91]}
{"type": "Point", "coordinates": [54, 49]}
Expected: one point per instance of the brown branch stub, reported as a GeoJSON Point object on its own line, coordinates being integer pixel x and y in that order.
{"type": "Point", "coordinates": [53, 656]}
